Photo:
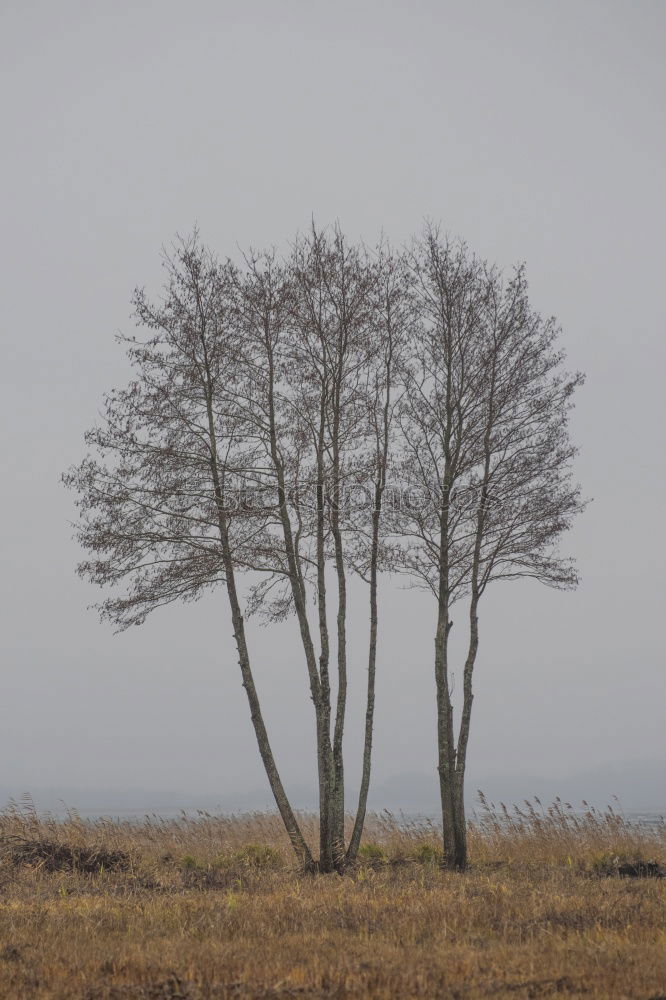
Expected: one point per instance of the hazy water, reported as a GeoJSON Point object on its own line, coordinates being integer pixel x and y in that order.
{"type": "Point", "coordinates": [652, 819]}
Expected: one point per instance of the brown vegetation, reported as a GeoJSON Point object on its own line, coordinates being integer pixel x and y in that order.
{"type": "Point", "coordinates": [212, 907]}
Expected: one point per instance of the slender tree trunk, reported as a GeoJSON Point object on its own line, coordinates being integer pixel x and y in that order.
{"type": "Point", "coordinates": [445, 736]}
{"type": "Point", "coordinates": [446, 751]}
{"type": "Point", "coordinates": [291, 824]}
{"type": "Point", "coordinates": [460, 851]}
{"type": "Point", "coordinates": [459, 861]}
{"type": "Point", "coordinates": [338, 804]}
{"type": "Point", "coordinates": [319, 684]}
{"type": "Point", "coordinates": [327, 782]}
{"type": "Point", "coordinates": [382, 439]}
{"type": "Point", "coordinates": [288, 818]}
{"type": "Point", "coordinates": [355, 840]}
{"type": "Point", "coordinates": [319, 680]}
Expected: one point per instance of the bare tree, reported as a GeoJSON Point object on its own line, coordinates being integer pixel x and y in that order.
{"type": "Point", "coordinates": [265, 305]}
{"type": "Point", "coordinates": [311, 334]}
{"type": "Point", "coordinates": [262, 393]}
{"type": "Point", "coordinates": [485, 444]}
{"type": "Point", "coordinates": [270, 403]}
{"type": "Point", "coordinates": [158, 493]}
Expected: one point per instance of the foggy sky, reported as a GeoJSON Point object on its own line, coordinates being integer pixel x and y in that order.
{"type": "Point", "coordinates": [535, 131]}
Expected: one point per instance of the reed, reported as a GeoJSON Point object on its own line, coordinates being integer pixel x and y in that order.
{"type": "Point", "coordinates": [206, 906]}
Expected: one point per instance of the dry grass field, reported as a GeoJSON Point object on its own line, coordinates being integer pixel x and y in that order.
{"type": "Point", "coordinates": [213, 908]}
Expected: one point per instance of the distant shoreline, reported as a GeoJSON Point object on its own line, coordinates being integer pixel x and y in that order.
{"type": "Point", "coordinates": [639, 817]}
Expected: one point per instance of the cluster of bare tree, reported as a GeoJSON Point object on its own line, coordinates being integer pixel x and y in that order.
{"type": "Point", "coordinates": [338, 411]}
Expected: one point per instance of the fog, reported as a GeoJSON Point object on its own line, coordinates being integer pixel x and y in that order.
{"type": "Point", "coordinates": [535, 131]}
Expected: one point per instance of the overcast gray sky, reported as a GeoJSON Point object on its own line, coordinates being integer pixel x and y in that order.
{"type": "Point", "coordinates": [535, 130]}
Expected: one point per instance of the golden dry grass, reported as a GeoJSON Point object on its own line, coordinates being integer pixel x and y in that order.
{"type": "Point", "coordinates": [212, 907]}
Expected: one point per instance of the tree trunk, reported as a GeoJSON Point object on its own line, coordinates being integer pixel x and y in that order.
{"type": "Point", "coordinates": [324, 749]}
{"type": "Point", "coordinates": [291, 825]}
{"type": "Point", "coordinates": [355, 840]}
{"type": "Point", "coordinates": [318, 679]}
{"type": "Point", "coordinates": [459, 860]}
{"type": "Point", "coordinates": [446, 752]}
{"type": "Point", "coordinates": [288, 818]}
{"type": "Point", "coordinates": [338, 798]}
{"type": "Point", "coordinates": [460, 848]}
